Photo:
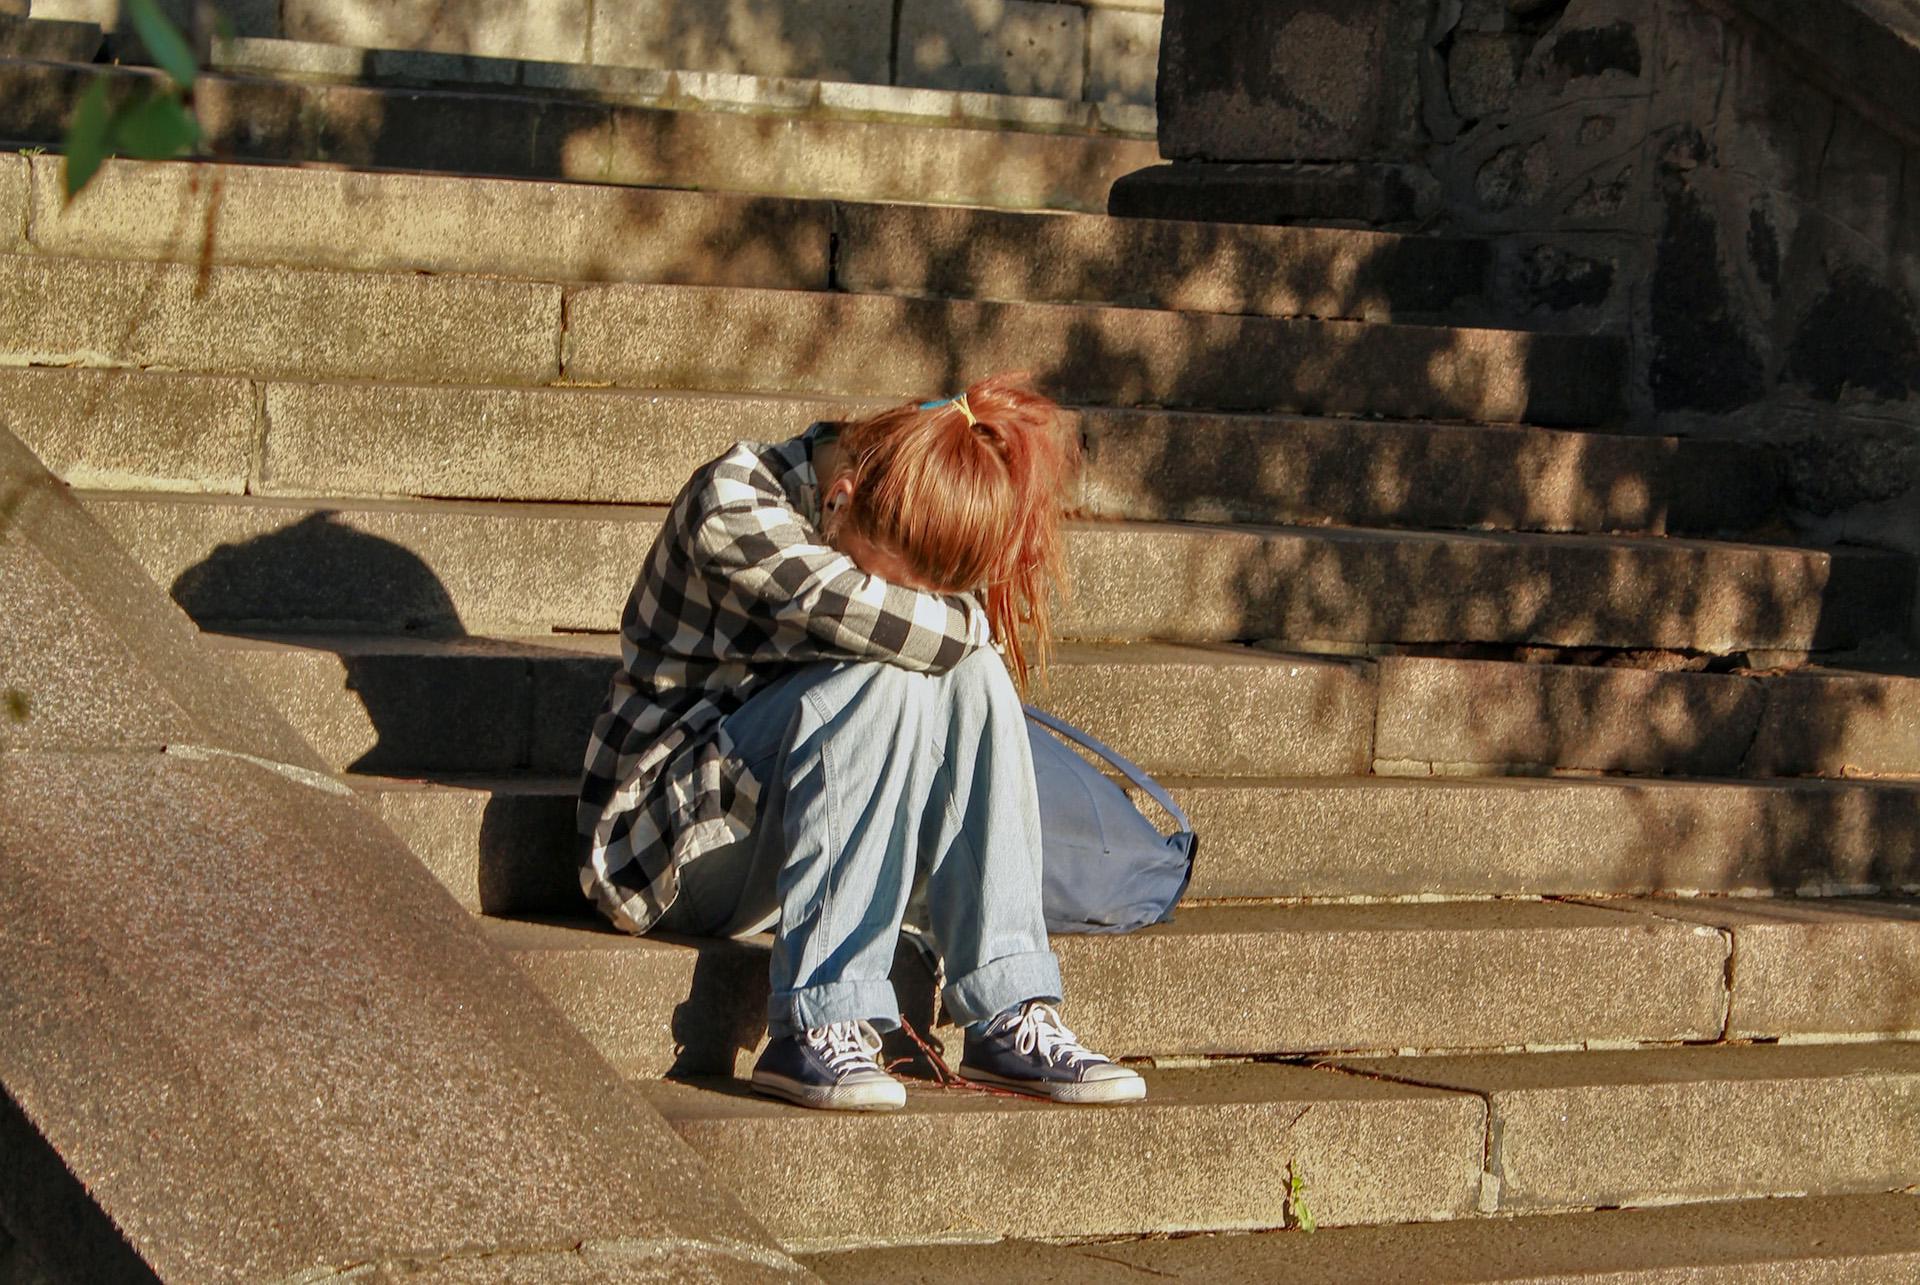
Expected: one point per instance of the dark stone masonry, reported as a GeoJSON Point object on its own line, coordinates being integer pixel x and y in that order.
{"type": "Point", "coordinates": [1733, 184]}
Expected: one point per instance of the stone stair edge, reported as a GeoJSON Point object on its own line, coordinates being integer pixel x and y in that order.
{"type": "Point", "coordinates": [504, 842]}
{"type": "Point", "coordinates": [679, 88]}
{"type": "Point", "coordinates": [47, 167]}
{"type": "Point", "coordinates": [1411, 715]}
{"type": "Point", "coordinates": [651, 514]}
{"type": "Point", "coordinates": [528, 133]}
{"type": "Point", "coordinates": [1246, 582]}
{"type": "Point", "coordinates": [322, 438]}
{"type": "Point", "coordinates": [1526, 1039]}
{"type": "Point", "coordinates": [1583, 1172]}
{"type": "Point", "coordinates": [1809, 1238]}
{"type": "Point", "coordinates": [572, 290]}
{"type": "Point", "coordinates": [458, 329]}
{"type": "Point", "coordinates": [235, 214]}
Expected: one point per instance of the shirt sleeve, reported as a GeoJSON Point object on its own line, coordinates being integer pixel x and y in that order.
{"type": "Point", "coordinates": [766, 557]}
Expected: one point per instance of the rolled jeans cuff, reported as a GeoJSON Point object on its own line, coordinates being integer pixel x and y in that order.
{"type": "Point", "coordinates": [1000, 984]}
{"type": "Point", "coordinates": [790, 1012]}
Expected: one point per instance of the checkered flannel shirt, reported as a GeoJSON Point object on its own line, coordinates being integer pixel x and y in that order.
{"type": "Point", "coordinates": [738, 589]}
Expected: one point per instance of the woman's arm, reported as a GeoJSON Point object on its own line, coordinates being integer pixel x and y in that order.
{"type": "Point", "coordinates": [755, 549]}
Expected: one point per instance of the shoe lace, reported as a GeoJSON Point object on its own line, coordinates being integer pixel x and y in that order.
{"type": "Point", "coordinates": [1042, 1031]}
{"type": "Point", "coordinates": [847, 1046]}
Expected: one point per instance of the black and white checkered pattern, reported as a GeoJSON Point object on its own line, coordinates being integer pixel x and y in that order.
{"type": "Point", "coordinates": [738, 588]}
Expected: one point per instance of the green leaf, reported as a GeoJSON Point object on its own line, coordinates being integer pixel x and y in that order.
{"type": "Point", "coordinates": [154, 129]}
{"type": "Point", "coordinates": [87, 137]}
{"type": "Point", "coordinates": [163, 40]}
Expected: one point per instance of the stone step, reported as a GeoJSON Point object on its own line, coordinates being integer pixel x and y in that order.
{"type": "Point", "coordinates": [505, 845]}
{"type": "Point", "coordinates": [249, 215]}
{"type": "Point", "coordinates": [376, 703]}
{"type": "Point", "coordinates": [323, 324]}
{"type": "Point", "coordinates": [1460, 717]}
{"type": "Point", "coordinates": [1212, 1149]}
{"type": "Point", "coordinates": [1282, 979]}
{"type": "Point", "coordinates": [284, 564]}
{"type": "Point", "coordinates": [405, 706]}
{"type": "Point", "coordinates": [1208, 1149]}
{"type": "Point", "coordinates": [802, 149]}
{"type": "Point", "coordinates": [720, 75]}
{"type": "Point", "coordinates": [1812, 1240]}
{"type": "Point", "coordinates": [233, 435]}
{"type": "Point", "coordinates": [1727, 1123]}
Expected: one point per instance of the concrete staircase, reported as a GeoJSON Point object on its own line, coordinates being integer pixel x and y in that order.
{"type": "Point", "coordinates": [1558, 808]}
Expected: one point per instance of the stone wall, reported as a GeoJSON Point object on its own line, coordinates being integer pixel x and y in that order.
{"type": "Point", "coordinates": [1735, 185]}
{"type": "Point", "coordinates": [1101, 51]}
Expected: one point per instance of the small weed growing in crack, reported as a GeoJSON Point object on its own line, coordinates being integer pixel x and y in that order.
{"type": "Point", "coordinates": [1298, 1216]}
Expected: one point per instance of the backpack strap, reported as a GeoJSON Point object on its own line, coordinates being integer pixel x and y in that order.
{"type": "Point", "coordinates": [1118, 761]}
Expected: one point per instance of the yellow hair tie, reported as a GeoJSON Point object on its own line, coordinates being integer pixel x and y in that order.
{"type": "Point", "coordinates": [959, 400]}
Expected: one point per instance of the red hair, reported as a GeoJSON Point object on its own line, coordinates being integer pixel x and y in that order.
{"type": "Point", "coordinates": [972, 507]}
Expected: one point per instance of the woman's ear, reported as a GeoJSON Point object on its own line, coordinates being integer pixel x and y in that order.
{"type": "Point", "coordinates": [839, 494]}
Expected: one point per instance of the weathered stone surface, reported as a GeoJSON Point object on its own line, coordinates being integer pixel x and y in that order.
{"type": "Point", "coordinates": [1482, 71]}
{"type": "Point", "coordinates": [48, 39]}
{"type": "Point", "coordinates": [765, 340]}
{"type": "Point", "coordinates": [430, 223]}
{"type": "Point", "coordinates": [1123, 56]}
{"type": "Point", "coordinates": [439, 1104]}
{"type": "Point", "coordinates": [90, 656]}
{"type": "Point", "coordinates": [1816, 1239]}
{"type": "Point", "coordinates": [16, 185]}
{"type": "Point", "coordinates": [1207, 1149]}
{"type": "Point", "coordinates": [1470, 974]}
{"type": "Point", "coordinates": [615, 446]}
{"type": "Point", "coordinates": [546, 137]}
{"type": "Point", "coordinates": [1303, 80]}
{"type": "Point", "coordinates": [525, 569]}
{"type": "Point", "coordinates": [999, 46]}
{"type": "Point", "coordinates": [1389, 837]}
{"type": "Point", "coordinates": [267, 321]}
{"type": "Point", "coordinates": [652, 1006]}
{"type": "Point", "coordinates": [1157, 464]}
{"type": "Point", "coordinates": [860, 160]}
{"type": "Point", "coordinates": [416, 707]}
{"type": "Point", "coordinates": [1868, 50]}
{"type": "Point", "coordinates": [552, 29]}
{"type": "Point", "coordinates": [580, 445]}
{"type": "Point", "coordinates": [388, 567]}
{"type": "Point", "coordinates": [1820, 967]}
{"type": "Point", "coordinates": [361, 1077]}
{"type": "Point", "coordinates": [1840, 724]}
{"type": "Point", "coordinates": [135, 432]}
{"type": "Point", "coordinates": [1573, 1129]}
{"type": "Point", "coordinates": [1365, 193]}
{"type": "Point", "coordinates": [826, 39]}
{"type": "Point", "coordinates": [508, 845]}
{"type": "Point", "coordinates": [486, 706]}
{"type": "Point", "coordinates": [1558, 590]}
{"type": "Point", "coordinates": [1476, 717]}
{"type": "Point", "coordinates": [500, 847]}
{"type": "Point", "coordinates": [1458, 975]}
{"type": "Point", "coordinates": [1184, 266]}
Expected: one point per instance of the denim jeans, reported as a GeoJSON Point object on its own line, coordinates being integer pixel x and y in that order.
{"type": "Point", "coordinates": [877, 780]}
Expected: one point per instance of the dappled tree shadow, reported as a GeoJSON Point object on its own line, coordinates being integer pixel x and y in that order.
{"type": "Point", "coordinates": [1378, 431]}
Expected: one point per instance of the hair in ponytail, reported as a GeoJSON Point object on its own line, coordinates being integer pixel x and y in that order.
{"type": "Point", "coordinates": [968, 493]}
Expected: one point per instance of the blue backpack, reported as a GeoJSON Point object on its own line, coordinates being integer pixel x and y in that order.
{"type": "Point", "coordinates": [1104, 867]}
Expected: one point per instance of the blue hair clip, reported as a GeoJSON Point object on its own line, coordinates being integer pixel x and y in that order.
{"type": "Point", "coordinates": [938, 401]}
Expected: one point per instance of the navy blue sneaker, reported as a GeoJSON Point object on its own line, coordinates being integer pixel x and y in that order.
{"type": "Point", "coordinates": [1028, 1049]}
{"type": "Point", "coordinates": [829, 1066]}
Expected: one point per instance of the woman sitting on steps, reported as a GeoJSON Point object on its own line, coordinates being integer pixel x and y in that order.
{"type": "Point", "coordinates": [813, 713]}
